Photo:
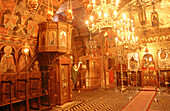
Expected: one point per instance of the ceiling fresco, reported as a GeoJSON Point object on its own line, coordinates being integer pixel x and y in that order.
{"type": "Point", "coordinates": [16, 20]}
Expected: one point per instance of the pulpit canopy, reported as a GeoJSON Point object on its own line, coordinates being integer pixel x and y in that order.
{"type": "Point", "coordinates": [55, 37]}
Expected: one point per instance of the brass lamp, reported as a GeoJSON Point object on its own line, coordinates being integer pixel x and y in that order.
{"type": "Point", "coordinates": [26, 48]}
{"type": "Point", "coordinates": [49, 16]}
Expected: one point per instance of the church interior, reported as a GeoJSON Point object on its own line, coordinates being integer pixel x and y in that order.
{"type": "Point", "coordinates": [84, 55]}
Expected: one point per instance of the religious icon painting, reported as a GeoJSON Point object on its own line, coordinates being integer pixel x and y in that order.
{"type": "Point", "coordinates": [6, 18]}
{"type": "Point", "coordinates": [133, 61]}
{"type": "Point", "coordinates": [34, 31]}
{"type": "Point", "coordinates": [64, 75]}
{"type": "Point", "coordinates": [43, 36]}
{"type": "Point", "coordinates": [29, 25]}
{"type": "Point", "coordinates": [163, 58]}
{"type": "Point", "coordinates": [63, 39]}
{"type": "Point", "coordinates": [52, 37]}
{"type": "Point", "coordinates": [155, 19]}
{"type": "Point", "coordinates": [13, 22]}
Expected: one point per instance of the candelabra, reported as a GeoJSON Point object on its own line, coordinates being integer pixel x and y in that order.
{"type": "Point", "coordinates": [121, 57]}
{"type": "Point", "coordinates": [129, 96]}
{"type": "Point", "coordinates": [26, 49]}
{"type": "Point", "coordinates": [125, 41]}
{"type": "Point", "coordinates": [159, 90]}
{"type": "Point", "coordinates": [115, 81]}
{"type": "Point", "coordinates": [91, 47]}
{"type": "Point", "coordinates": [137, 80]}
{"type": "Point", "coordinates": [156, 98]}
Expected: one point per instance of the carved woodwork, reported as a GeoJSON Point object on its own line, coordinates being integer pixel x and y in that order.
{"type": "Point", "coordinates": [55, 37]}
{"type": "Point", "coordinates": [55, 40]}
{"type": "Point", "coordinates": [155, 32]}
{"type": "Point", "coordinates": [7, 80]}
{"type": "Point", "coordinates": [164, 77]}
{"type": "Point", "coordinates": [125, 77]}
{"type": "Point", "coordinates": [63, 80]}
{"type": "Point", "coordinates": [91, 78]}
{"type": "Point", "coordinates": [149, 74]}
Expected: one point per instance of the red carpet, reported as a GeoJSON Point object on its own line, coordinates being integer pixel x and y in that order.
{"type": "Point", "coordinates": [141, 102]}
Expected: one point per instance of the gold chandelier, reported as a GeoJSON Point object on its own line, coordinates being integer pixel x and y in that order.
{"type": "Point", "coordinates": [126, 34]}
{"type": "Point", "coordinates": [102, 15]}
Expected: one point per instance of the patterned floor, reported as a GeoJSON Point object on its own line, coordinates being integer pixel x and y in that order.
{"type": "Point", "coordinates": [163, 104]}
{"type": "Point", "coordinates": [97, 100]}
{"type": "Point", "coordinates": [108, 100]}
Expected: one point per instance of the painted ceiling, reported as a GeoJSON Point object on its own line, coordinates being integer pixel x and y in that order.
{"type": "Point", "coordinates": [17, 22]}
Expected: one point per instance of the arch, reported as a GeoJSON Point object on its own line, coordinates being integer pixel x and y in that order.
{"type": "Point", "coordinates": [147, 60]}
{"type": "Point", "coordinates": [148, 56]}
{"type": "Point", "coordinates": [13, 47]}
{"type": "Point", "coordinates": [9, 45]}
{"type": "Point", "coordinates": [8, 63]}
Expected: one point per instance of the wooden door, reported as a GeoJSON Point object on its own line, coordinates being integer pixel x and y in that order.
{"type": "Point", "coordinates": [64, 82]}
{"type": "Point", "coordinates": [63, 70]}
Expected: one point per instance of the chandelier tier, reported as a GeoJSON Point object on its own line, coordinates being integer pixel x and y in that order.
{"type": "Point", "coordinates": [101, 15]}
{"type": "Point", "coordinates": [126, 34]}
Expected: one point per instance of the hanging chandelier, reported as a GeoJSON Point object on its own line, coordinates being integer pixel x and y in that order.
{"type": "Point", "coordinates": [49, 16]}
{"type": "Point", "coordinates": [126, 34]}
{"type": "Point", "coordinates": [50, 12]}
{"type": "Point", "coordinates": [32, 5]}
{"type": "Point", "coordinates": [69, 12]}
{"type": "Point", "coordinates": [101, 15]}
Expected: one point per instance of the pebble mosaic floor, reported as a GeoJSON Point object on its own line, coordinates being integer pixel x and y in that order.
{"type": "Point", "coordinates": [108, 100]}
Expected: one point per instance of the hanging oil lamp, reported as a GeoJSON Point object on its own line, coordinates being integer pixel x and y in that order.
{"type": "Point", "coordinates": [49, 16]}
{"type": "Point", "coordinates": [69, 15]}
{"type": "Point", "coordinates": [69, 12]}
{"type": "Point", "coordinates": [50, 12]}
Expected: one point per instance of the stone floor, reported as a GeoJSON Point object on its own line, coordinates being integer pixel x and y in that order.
{"type": "Point", "coordinates": [109, 100]}
{"type": "Point", "coordinates": [163, 103]}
